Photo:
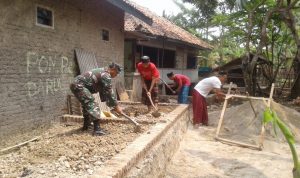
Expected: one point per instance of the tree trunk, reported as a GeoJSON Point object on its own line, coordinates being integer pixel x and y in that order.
{"type": "Point", "coordinates": [289, 20]}
{"type": "Point", "coordinates": [247, 73]}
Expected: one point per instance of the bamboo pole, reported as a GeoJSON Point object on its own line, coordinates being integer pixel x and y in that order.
{"type": "Point", "coordinates": [242, 96]}
{"type": "Point", "coordinates": [267, 101]}
{"type": "Point", "coordinates": [262, 135]}
{"type": "Point", "coordinates": [18, 145]}
{"type": "Point", "coordinates": [223, 110]}
{"type": "Point", "coordinates": [231, 142]}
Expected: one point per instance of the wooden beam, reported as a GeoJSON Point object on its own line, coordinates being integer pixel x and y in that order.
{"type": "Point", "coordinates": [246, 97]}
{"type": "Point", "coordinates": [266, 101]}
{"type": "Point", "coordinates": [223, 111]}
{"type": "Point", "coordinates": [231, 142]}
{"type": "Point", "coordinates": [5, 150]}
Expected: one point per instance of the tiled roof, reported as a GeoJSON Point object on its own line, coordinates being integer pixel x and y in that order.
{"type": "Point", "coordinates": [161, 27]}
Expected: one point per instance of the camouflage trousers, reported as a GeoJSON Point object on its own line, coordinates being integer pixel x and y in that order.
{"type": "Point", "coordinates": [90, 108]}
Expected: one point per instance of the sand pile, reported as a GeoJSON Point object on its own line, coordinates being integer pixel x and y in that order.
{"type": "Point", "coordinates": [241, 124]}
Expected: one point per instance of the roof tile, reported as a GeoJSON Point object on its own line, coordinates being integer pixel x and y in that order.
{"type": "Point", "coordinates": [160, 27]}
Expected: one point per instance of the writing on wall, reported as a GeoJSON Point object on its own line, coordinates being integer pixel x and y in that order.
{"type": "Point", "coordinates": [45, 73]}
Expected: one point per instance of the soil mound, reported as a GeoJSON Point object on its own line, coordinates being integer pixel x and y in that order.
{"type": "Point", "coordinates": [242, 123]}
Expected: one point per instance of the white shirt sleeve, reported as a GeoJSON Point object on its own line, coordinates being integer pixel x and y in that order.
{"type": "Point", "coordinates": [207, 84]}
{"type": "Point", "coordinates": [216, 83]}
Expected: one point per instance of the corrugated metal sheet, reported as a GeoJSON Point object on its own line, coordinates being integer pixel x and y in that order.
{"type": "Point", "coordinates": [87, 61]}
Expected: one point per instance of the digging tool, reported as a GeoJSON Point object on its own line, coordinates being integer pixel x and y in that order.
{"type": "Point", "coordinates": [137, 125]}
{"type": "Point", "coordinates": [168, 86]}
{"type": "Point", "coordinates": [155, 113]}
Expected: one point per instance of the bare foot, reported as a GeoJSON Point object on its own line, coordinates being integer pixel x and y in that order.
{"type": "Point", "coordinates": [205, 124]}
{"type": "Point", "coordinates": [196, 126]}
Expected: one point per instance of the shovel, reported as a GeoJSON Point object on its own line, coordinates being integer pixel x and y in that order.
{"type": "Point", "coordinates": [155, 113]}
{"type": "Point", "coordinates": [137, 125]}
{"type": "Point", "coordinates": [174, 92]}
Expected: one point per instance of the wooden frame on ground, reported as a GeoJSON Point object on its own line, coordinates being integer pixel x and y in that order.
{"type": "Point", "coordinates": [267, 102]}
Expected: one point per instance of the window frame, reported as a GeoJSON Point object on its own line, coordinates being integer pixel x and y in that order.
{"type": "Point", "coordinates": [36, 16]}
{"type": "Point", "coordinates": [195, 58]}
{"type": "Point", "coordinates": [102, 30]}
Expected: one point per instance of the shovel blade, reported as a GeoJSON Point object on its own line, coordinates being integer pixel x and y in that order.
{"type": "Point", "coordinates": [156, 114]}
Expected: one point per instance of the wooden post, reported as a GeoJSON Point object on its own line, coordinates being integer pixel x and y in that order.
{"type": "Point", "coordinates": [223, 110]}
{"type": "Point", "coordinates": [69, 104]}
{"type": "Point", "coordinates": [266, 101]}
{"type": "Point", "coordinates": [262, 135]}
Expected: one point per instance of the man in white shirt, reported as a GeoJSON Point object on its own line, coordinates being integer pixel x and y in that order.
{"type": "Point", "coordinates": [200, 92]}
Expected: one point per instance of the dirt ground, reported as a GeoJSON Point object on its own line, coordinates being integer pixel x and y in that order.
{"type": "Point", "coordinates": [66, 151]}
{"type": "Point", "coordinates": [200, 155]}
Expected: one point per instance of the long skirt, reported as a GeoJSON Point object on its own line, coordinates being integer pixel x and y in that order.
{"type": "Point", "coordinates": [200, 115]}
{"type": "Point", "coordinates": [154, 94]}
{"type": "Point", "coordinates": [183, 95]}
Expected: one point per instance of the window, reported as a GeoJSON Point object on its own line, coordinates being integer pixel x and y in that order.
{"type": "Point", "coordinates": [44, 17]}
{"type": "Point", "coordinates": [105, 35]}
{"type": "Point", "coordinates": [168, 58]}
{"type": "Point", "coordinates": [162, 58]}
{"type": "Point", "coordinates": [191, 62]}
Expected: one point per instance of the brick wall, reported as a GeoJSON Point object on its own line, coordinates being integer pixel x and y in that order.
{"type": "Point", "coordinates": [37, 63]}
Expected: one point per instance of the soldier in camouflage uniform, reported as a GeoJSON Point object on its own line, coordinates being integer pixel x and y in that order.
{"type": "Point", "coordinates": [88, 83]}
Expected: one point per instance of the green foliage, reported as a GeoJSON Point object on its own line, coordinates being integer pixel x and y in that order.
{"type": "Point", "coordinates": [271, 116]}
{"type": "Point", "coordinates": [225, 25]}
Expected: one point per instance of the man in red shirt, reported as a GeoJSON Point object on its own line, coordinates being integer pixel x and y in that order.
{"type": "Point", "coordinates": [150, 78]}
{"type": "Point", "coordinates": [183, 86]}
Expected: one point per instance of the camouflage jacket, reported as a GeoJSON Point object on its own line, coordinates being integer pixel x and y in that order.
{"type": "Point", "coordinates": [99, 80]}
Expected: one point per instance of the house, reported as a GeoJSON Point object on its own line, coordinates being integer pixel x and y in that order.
{"type": "Point", "coordinates": [37, 43]}
{"type": "Point", "coordinates": [170, 47]}
{"type": "Point", "coordinates": [235, 68]}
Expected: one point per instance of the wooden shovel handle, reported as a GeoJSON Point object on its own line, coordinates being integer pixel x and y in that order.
{"type": "Point", "coordinates": [152, 102]}
{"type": "Point", "coordinates": [129, 118]}
{"type": "Point", "coordinates": [167, 85]}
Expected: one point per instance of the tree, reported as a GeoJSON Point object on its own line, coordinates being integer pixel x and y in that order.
{"type": "Point", "coordinates": [278, 11]}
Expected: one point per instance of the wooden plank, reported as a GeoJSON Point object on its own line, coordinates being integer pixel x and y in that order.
{"type": "Point", "coordinates": [18, 145]}
{"type": "Point", "coordinates": [246, 97]}
{"type": "Point", "coordinates": [223, 111]}
{"type": "Point", "coordinates": [231, 142]}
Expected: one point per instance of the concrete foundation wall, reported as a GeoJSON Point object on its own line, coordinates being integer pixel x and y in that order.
{"type": "Point", "coordinates": [156, 161]}
{"type": "Point", "coordinates": [150, 153]}
{"type": "Point", "coordinates": [37, 63]}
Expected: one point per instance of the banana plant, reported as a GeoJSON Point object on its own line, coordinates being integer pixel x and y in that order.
{"type": "Point", "coordinates": [271, 116]}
